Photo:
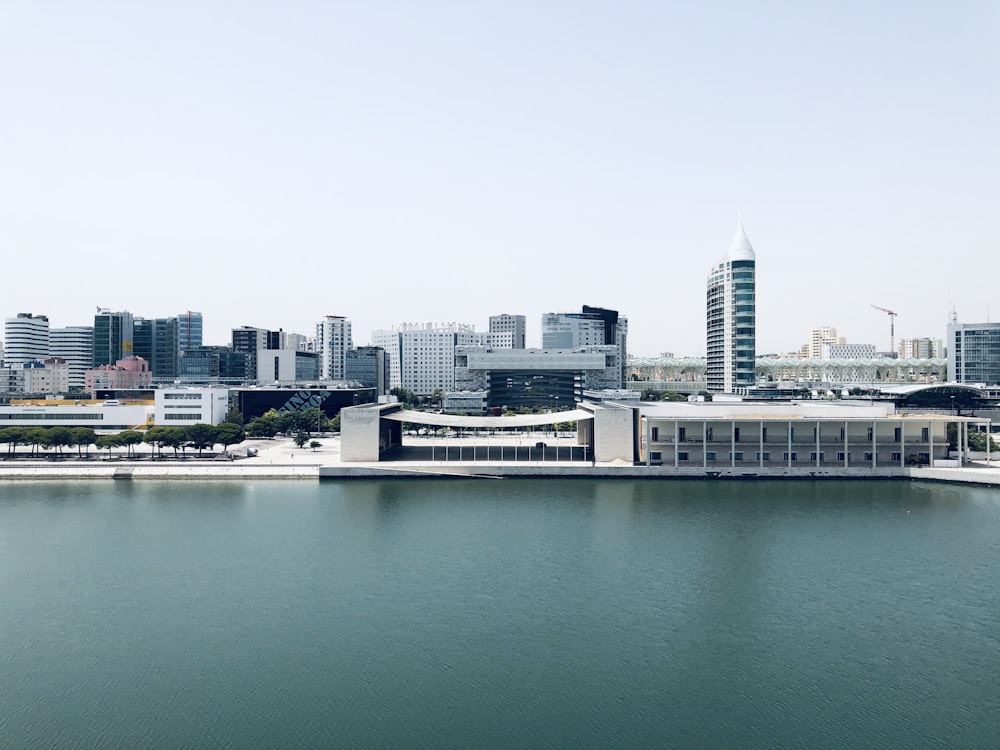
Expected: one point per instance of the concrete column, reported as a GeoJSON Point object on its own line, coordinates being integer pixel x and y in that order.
{"type": "Point", "coordinates": [817, 444]}
{"type": "Point", "coordinates": [761, 457]}
{"type": "Point", "coordinates": [902, 443]}
{"type": "Point", "coordinates": [704, 445]}
{"type": "Point", "coordinates": [847, 453]}
{"type": "Point", "coordinates": [677, 443]}
{"type": "Point", "coordinates": [789, 426]}
{"type": "Point", "coordinates": [874, 444]}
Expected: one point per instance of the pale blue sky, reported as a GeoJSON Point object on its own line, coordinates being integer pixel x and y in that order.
{"type": "Point", "coordinates": [270, 163]}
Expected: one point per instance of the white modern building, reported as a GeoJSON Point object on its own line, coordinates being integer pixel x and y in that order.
{"type": "Point", "coordinates": [333, 340]}
{"type": "Point", "coordinates": [515, 325]}
{"type": "Point", "coordinates": [731, 320]}
{"type": "Point", "coordinates": [286, 366]}
{"type": "Point", "coordinates": [104, 418]}
{"type": "Point", "coordinates": [26, 339]}
{"type": "Point", "coordinates": [179, 407]}
{"type": "Point", "coordinates": [422, 357]}
{"type": "Point", "coordinates": [75, 345]}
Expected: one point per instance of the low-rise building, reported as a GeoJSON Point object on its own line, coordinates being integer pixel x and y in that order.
{"type": "Point", "coordinates": [179, 407]}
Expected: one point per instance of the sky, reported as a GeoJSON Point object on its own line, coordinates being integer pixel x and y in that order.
{"type": "Point", "coordinates": [269, 163]}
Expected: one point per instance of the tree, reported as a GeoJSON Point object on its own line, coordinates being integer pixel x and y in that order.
{"type": "Point", "coordinates": [234, 416]}
{"type": "Point", "coordinates": [334, 424]}
{"type": "Point", "coordinates": [107, 441]}
{"type": "Point", "coordinates": [314, 444]}
{"type": "Point", "coordinates": [130, 438]}
{"type": "Point", "coordinates": [83, 436]}
{"type": "Point", "coordinates": [300, 438]}
{"type": "Point", "coordinates": [265, 425]}
{"type": "Point", "coordinates": [201, 436]}
{"type": "Point", "coordinates": [229, 433]}
{"type": "Point", "coordinates": [673, 396]}
{"type": "Point", "coordinates": [60, 437]}
{"type": "Point", "coordinates": [174, 437]}
{"type": "Point", "coordinates": [12, 436]}
{"type": "Point", "coordinates": [156, 437]}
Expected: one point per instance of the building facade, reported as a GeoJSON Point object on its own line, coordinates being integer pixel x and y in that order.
{"type": "Point", "coordinates": [731, 318]}
{"type": "Point", "coordinates": [974, 353]}
{"type": "Point", "coordinates": [593, 326]}
{"type": "Point", "coordinates": [513, 324]}
{"type": "Point", "coordinates": [180, 407]}
{"type": "Point", "coordinates": [113, 336]}
{"type": "Point", "coordinates": [333, 341]}
{"type": "Point", "coordinates": [26, 339]}
{"type": "Point", "coordinates": [75, 345]}
{"type": "Point", "coordinates": [368, 366]}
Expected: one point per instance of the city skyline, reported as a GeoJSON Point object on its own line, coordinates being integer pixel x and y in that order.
{"type": "Point", "coordinates": [448, 163]}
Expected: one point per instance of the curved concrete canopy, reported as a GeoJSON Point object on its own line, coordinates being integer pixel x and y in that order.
{"type": "Point", "coordinates": [518, 420]}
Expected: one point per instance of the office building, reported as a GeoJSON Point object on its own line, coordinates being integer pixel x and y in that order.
{"type": "Point", "coordinates": [974, 352]}
{"type": "Point", "coordinates": [422, 357]}
{"type": "Point", "coordinates": [512, 324]}
{"type": "Point", "coordinates": [26, 339]}
{"type": "Point", "coordinates": [75, 346]}
{"type": "Point", "coordinates": [731, 331]}
{"type": "Point", "coordinates": [368, 366]}
{"type": "Point", "coordinates": [189, 331]}
{"type": "Point", "coordinates": [594, 326]}
{"type": "Point", "coordinates": [113, 336]}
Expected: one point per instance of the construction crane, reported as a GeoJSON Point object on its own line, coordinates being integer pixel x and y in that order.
{"type": "Point", "coordinates": [892, 327]}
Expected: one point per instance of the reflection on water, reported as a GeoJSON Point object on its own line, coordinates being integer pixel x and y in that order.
{"type": "Point", "coordinates": [509, 613]}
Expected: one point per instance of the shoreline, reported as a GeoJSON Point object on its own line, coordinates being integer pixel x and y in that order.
{"type": "Point", "coordinates": [279, 459]}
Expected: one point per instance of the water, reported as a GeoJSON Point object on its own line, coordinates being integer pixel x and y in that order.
{"type": "Point", "coordinates": [499, 614]}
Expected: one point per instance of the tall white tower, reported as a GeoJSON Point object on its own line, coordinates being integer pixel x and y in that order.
{"type": "Point", "coordinates": [731, 320]}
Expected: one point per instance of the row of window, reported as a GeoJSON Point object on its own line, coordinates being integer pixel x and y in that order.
{"type": "Point", "coordinates": [897, 434]}
{"type": "Point", "coordinates": [88, 416]}
{"type": "Point", "coordinates": [766, 456]}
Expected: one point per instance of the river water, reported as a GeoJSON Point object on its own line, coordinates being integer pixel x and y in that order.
{"type": "Point", "coordinates": [499, 614]}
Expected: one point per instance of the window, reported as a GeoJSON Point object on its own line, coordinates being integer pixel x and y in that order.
{"type": "Point", "coordinates": [813, 454]}
{"type": "Point", "coordinates": [736, 456]}
{"type": "Point", "coordinates": [925, 434]}
{"type": "Point", "coordinates": [897, 434]}
{"type": "Point", "coordinates": [765, 456]}
{"type": "Point", "coordinates": [871, 432]}
{"type": "Point", "coordinates": [655, 456]}
{"type": "Point", "coordinates": [840, 456]}
{"type": "Point", "coordinates": [708, 434]}
{"type": "Point", "coordinates": [897, 456]}
{"type": "Point", "coordinates": [763, 434]}
{"type": "Point", "coordinates": [869, 456]}
{"type": "Point", "coordinates": [795, 456]}
{"type": "Point", "coordinates": [682, 434]}
{"type": "Point", "coordinates": [736, 435]}
{"type": "Point", "coordinates": [710, 456]}
{"type": "Point", "coordinates": [682, 456]}
{"type": "Point", "coordinates": [654, 434]}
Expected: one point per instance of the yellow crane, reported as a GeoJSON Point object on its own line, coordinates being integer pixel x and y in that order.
{"type": "Point", "coordinates": [892, 326]}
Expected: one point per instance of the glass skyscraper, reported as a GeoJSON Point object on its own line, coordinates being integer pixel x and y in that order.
{"type": "Point", "coordinates": [731, 321]}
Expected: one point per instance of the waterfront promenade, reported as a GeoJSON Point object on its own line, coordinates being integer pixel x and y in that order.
{"type": "Point", "coordinates": [281, 459]}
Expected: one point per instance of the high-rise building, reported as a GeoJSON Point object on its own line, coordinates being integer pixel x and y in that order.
{"type": "Point", "coordinates": [369, 366]}
{"type": "Point", "coordinates": [594, 326]}
{"type": "Point", "coordinates": [333, 340]}
{"type": "Point", "coordinates": [974, 352]}
{"type": "Point", "coordinates": [26, 339]}
{"type": "Point", "coordinates": [113, 336]}
{"type": "Point", "coordinates": [731, 320]}
{"type": "Point", "coordinates": [512, 324]}
{"type": "Point", "coordinates": [422, 357]}
{"type": "Point", "coordinates": [74, 345]}
{"type": "Point", "coordinates": [189, 331]}
{"type": "Point", "coordinates": [156, 341]}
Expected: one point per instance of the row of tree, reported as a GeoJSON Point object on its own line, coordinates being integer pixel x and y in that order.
{"type": "Point", "coordinates": [197, 436]}
{"type": "Point", "coordinates": [309, 421]}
